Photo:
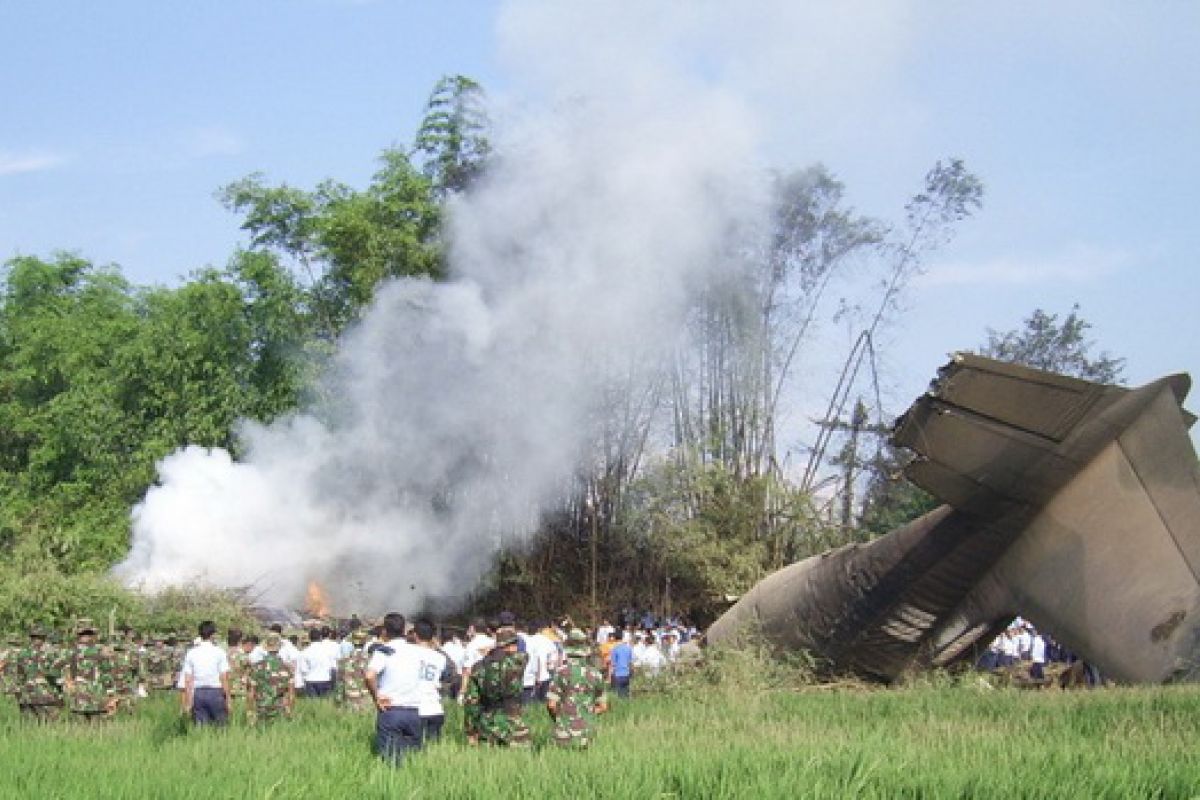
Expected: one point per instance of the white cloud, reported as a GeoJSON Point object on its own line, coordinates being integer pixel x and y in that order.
{"type": "Point", "coordinates": [1078, 263]}
{"type": "Point", "coordinates": [33, 161]}
{"type": "Point", "coordinates": [213, 140]}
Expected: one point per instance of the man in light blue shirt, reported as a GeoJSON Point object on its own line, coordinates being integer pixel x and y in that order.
{"type": "Point", "coordinates": [620, 667]}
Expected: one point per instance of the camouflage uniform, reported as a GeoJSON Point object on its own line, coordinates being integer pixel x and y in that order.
{"type": "Point", "coordinates": [351, 690]}
{"type": "Point", "coordinates": [36, 671]}
{"type": "Point", "coordinates": [125, 674]}
{"type": "Point", "coordinates": [8, 667]}
{"type": "Point", "coordinates": [239, 672]}
{"type": "Point", "coordinates": [492, 708]}
{"type": "Point", "coordinates": [89, 675]}
{"type": "Point", "coordinates": [577, 690]}
{"type": "Point", "coordinates": [159, 666]}
{"type": "Point", "coordinates": [270, 683]}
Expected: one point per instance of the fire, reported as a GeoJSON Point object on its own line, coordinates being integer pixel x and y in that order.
{"type": "Point", "coordinates": [317, 601]}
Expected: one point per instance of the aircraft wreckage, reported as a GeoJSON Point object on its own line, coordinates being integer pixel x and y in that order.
{"type": "Point", "coordinates": [1074, 504]}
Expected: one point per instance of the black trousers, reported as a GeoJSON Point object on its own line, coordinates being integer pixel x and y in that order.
{"type": "Point", "coordinates": [431, 728]}
{"type": "Point", "coordinates": [208, 707]}
{"type": "Point", "coordinates": [397, 731]}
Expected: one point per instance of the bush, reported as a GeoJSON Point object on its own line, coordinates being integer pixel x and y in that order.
{"type": "Point", "coordinates": [54, 599]}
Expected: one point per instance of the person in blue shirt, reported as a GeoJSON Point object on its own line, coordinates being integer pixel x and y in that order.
{"type": "Point", "coordinates": [620, 667]}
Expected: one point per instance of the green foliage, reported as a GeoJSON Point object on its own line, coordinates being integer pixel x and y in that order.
{"type": "Point", "coordinates": [1045, 343]}
{"type": "Point", "coordinates": [891, 500]}
{"type": "Point", "coordinates": [342, 240]}
{"type": "Point", "coordinates": [99, 380]}
{"type": "Point", "coordinates": [453, 137]}
{"type": "Point", "coordinates": [45, 596]}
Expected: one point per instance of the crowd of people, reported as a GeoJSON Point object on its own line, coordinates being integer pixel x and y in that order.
{"type": "Point", "coordinates": [497, 670]}
{"type": "Point", "coordinates": [1022, 648]}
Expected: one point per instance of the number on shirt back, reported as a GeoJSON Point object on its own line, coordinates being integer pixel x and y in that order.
{"type": "Point", "coordinates": [428, 672]}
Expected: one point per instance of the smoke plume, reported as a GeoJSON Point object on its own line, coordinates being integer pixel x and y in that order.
{"type": "Point", "coordinates": [461, 407]}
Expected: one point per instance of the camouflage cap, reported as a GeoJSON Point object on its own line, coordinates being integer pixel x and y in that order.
{"type": "Point", "coordinates": [272, 642]}
{"type": "Point", "coordinates": [359, 636]}
{"type": "Point", "coordinates": [577, 643]}
{"type": "Point", "coordinates": [38, 632]}
{"type": "Point", "coordinates": [506, 635]}
{"type": "Point", "coordinates": [84, 625]}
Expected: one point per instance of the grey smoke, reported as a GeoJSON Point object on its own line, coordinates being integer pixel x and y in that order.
{"type": "Point", "coordinates": [460, 408]}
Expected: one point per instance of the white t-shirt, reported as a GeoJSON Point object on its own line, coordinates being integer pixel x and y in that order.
{"type": "Point", "coordinates": [400, 674]}
{"type": "Point", "coordinates": [1038, 650]}
{"type": "Point", "coordinates": [1024, 641]}
{"type": "Point", "coordinates": [457, 653]}
{"type": "Point", "coordinates": [541, 652]}
{"type": "Point", "coordinates": [205, 663]}
{"type": "Point", "coordinates": [480, 645]}
{"type": "Point", "coordinates": [652, 660]}
{"type": "Point", "coordinates": [433, 664]}
{"type": "Point", "coordinates": [602, 633]}
{"type": "Point", "coordinates": [317, 663]}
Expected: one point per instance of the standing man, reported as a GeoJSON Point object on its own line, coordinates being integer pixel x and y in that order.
{"type": "Point", "coordinates": [620, 667]}
{"type": "Point", "coordinates": [393, 679]}
{"type": "Point", "coordinates": [317, 665]}
{"type": "Point", "coordinates": [434, 665]}
{"type": "Point", "coordinates": [492, 709]}
{"type": "Point", "coordinates": [351, 689]}
{"type": "Point", "coordinates": [604, 631]}
{"type": "Point", "coordinates": [35, 673]}
{"type": "Point", "coordinates": [126, 665]}
{"type": "Point", "coordinates": [270, 694]}
{"type": "Point", "coordinates": [88, 676]}
{"type": "Point", "coordinates": [457, 653]}
{"type": "Point", "coordinates": [576, 695]}
{"type": "Point", "coordinates": [206, 690]}
{"type": "Point", "coordinates": [1037, 657]}
{"type": "Point", "coordinates": [543, 655]}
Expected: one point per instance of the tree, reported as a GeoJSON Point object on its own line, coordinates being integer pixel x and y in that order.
{"type": "Point", "coordinates": [1044, 343]}
{"type": "Point", "coordinates": [343, 241]}
{"type": "Point", "coordinates": [453, 137]}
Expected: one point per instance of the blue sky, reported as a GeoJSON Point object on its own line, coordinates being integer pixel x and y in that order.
{"type": "Point", "coordinates": [121, 119]}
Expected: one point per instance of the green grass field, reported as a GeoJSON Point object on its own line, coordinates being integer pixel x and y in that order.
{"type": "Point", "coordinates": [925, 741]}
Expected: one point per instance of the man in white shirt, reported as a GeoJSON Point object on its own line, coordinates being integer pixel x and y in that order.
{"type": "Point", "coordinates": [433, 668]}
{"type": "Point", "coordinates": [317, 665]}
{"type": "Point", "coordinates": [604, 631]}
{"type": "Point", "coordinates": [543, 657]}
{"type": "Point", "coordinates": [479, 644]}
{"type": "Point", "coordinates": [649, 660]}
{"type": "Point", "coordinates": [1037, 654]}
{"type": "Point", "coordinates": [206, 680]}
{"type": "Point", "coordinates": [394, 676]}
{"type": "Point", "coordinates": [457, 653]}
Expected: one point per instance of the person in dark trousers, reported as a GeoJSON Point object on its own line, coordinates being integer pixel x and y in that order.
{"type": "Point", "coordinates": [206, 691]}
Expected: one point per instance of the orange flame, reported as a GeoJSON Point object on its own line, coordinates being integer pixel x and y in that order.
{"type": "Point", "coordinates": [317, 601]}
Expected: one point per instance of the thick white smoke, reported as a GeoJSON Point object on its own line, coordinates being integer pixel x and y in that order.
{"type": "Point", "coordinates": [462, 406]}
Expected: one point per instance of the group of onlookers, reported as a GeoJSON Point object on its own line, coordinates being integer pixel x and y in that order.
{"type": "Point", "coordinates": [1023, 647]}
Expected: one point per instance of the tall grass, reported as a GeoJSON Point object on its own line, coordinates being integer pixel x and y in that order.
{"type": "Point", "coordinates": [916, 742]}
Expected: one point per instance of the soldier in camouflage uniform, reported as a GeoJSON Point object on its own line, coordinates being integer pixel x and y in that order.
{"type": "Point", "coordinates": [239, 664]}
{"type": "Point", "coordinates": [492, 708]}
{"type": "Point", "coordinates": [270, 691]}
{"type": "Point", "coordinates": [88, 676]}
{"type": "Point", "coordinates": [160, 666]}
{"type": "Point", "coordinates": [126, 667]}
{"type": "Point", "coordinates": [36, 672]}
{"type": "Point", "coordinates": [576, 695]}
{"type": "Point", "coordinates": [351, 689]}
{"type": "Point", "coordinates": [8, 667]}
